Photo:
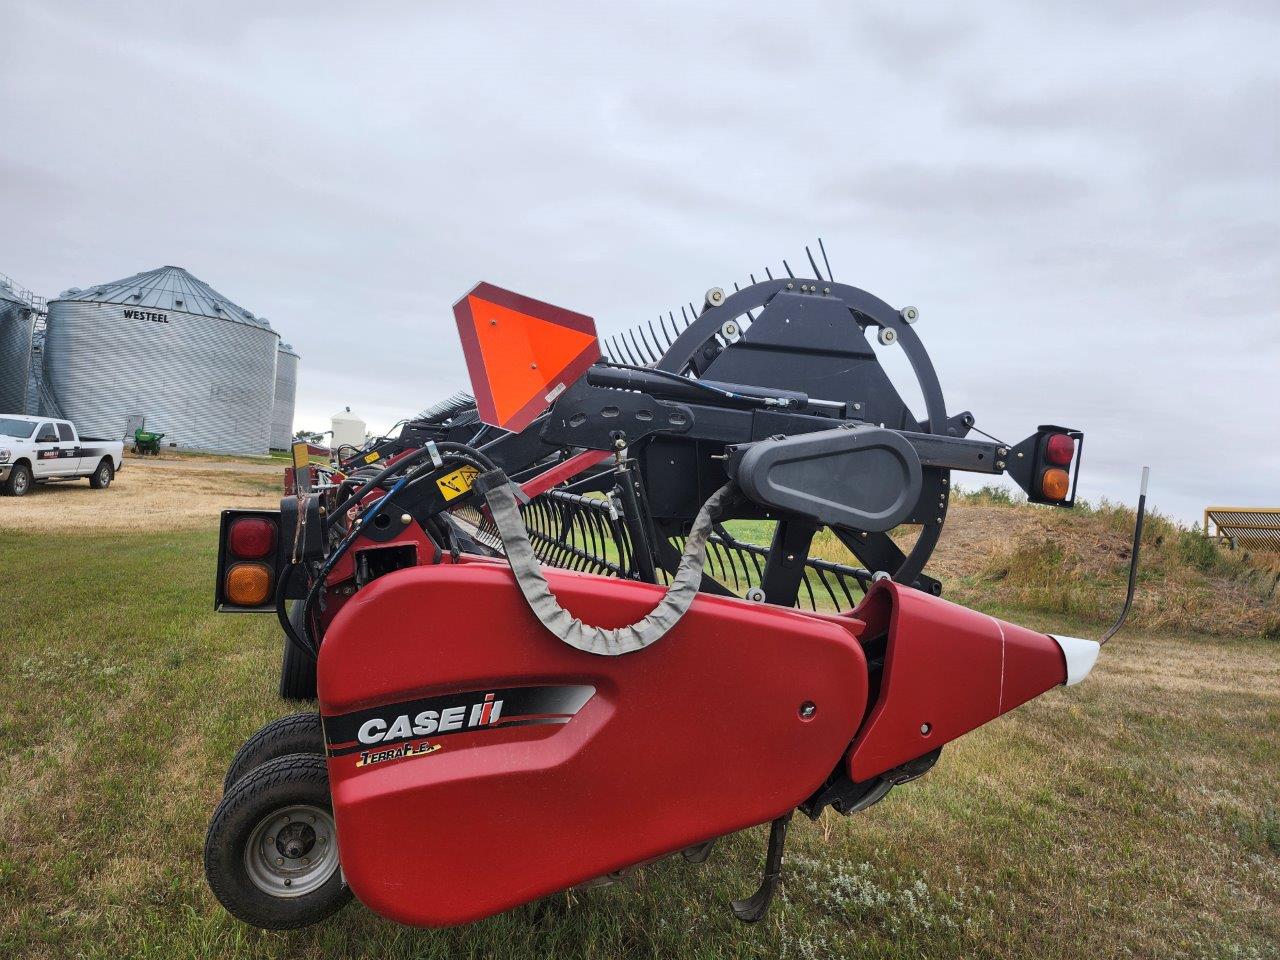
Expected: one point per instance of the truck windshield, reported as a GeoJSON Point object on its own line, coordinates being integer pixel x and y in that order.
{"type": "Point", "coordinates": [16, 428]}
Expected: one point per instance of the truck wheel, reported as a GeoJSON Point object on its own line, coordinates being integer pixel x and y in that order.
{"type": "Point", "coordinates": [297, 670]}
{"type": "Point", "coordinates": [296, 733]}
{"type": "Point", "coordinates": [19, 482]}
{"type": "Point", "coordinates": [271, 854]}
{"type": "Point", "coordinates": [101, 478]}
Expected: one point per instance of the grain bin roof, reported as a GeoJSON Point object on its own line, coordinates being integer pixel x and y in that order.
{"type": "Point", "coordinates": [167, 288]}
{"type": "Point", "coordinates": [288, 348]}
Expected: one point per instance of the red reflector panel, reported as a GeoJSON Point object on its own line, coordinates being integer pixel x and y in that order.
{"type": "Point", "coordinates": [251, 538]}
{"type": "Point", "coordinates": [1060, 449]}
{"type": "Point", "coordinates": [1055, 484]}
{"type": "Point", "coordinates": [248, 584]}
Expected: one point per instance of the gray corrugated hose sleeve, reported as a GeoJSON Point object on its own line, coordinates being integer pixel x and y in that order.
{"type": "Point", "coordinates": [609, 643]}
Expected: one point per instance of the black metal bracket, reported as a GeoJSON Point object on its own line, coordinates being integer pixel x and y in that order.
{"type": "Point", "coordinates": [754, 907]}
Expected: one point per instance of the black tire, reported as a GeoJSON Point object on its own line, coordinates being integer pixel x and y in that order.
{"type": "Point", "coordinates": [240, 848]}
{"type": "Point", "coordinates": [297, 668]}
{"type": "Point", "coordinates": [101, 477]}
{"type": "Point", "coordinates": [19, 482]}
{"type": "Point", "coordinates": [296, 733]}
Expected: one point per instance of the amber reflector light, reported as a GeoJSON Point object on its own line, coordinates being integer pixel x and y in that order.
{"type": "Point", "coordinates": [248, 584]}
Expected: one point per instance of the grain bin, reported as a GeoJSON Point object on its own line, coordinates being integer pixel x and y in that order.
{"type": "Point", "coordinates": [286, 391]}
{"type": "Point", "coordinates": [163, 349]}
{"type": "Point", "coordinates": [17, 321]}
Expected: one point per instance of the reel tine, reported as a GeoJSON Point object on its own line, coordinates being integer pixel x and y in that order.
{"type": "Point", "coordinates": [622, 338]}
{"type": "Point", "coordinates": [663, 330]}
{"type": "Point", "coordinates": [675, 331]}
{"type": "Point", "coordinates": [788, 269]}
{"type": "Point", "coordinates": [830, 276]}
{"type": "Point", "coordinates": [813, 263]}
{"type": "Point", "coordinates": [655, 351]}
{"type": "Point", "coordinates": [844, 585]}
{"type": "Point", "coordinates": [639, 350]}
{"type": "Point", "coordinates": [808, 587]}
{"type": "Point", "coordinates": [767, 273]}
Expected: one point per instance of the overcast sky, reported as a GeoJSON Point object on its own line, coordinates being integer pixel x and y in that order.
{"type": "Point", "coordinates": [1082, 199]}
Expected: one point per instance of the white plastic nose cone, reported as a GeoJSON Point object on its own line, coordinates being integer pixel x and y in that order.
{"type": "Point", "coordinates": [1080, 655]}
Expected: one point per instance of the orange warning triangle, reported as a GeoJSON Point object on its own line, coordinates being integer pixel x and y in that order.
{"type": "Point", "coordinates": [519, 351]}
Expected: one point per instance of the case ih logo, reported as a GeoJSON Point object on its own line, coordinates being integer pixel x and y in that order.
{"type": "Point", "coordinates": [375, 730]}
{"type": "Point", "coordinates": [456, 713]}
{"type": "Point", "coordinates": [146, 315]}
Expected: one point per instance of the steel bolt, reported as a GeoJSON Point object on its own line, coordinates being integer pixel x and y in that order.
{"type": "Point", "coordinates": [790, 286]}
{"type": "Point", "coordinates": [493, 323]}
{"type": "Point", "coordinates": [271, 839]}
{"type": "Point", "coordinates": [323, 839]}
{"type": "Point", "coordinates": [288, 882]}
{"type": "Point", "coordinates": [533, 366]}
{"type": "Point", "coordinates": [826, 289]}
{"type": "Point", "coordinates": [279, 861]}
{"type": "Point", "coordinates": [925, 728]}
{"type": "Point", "coordinates": [999, 464]}
{"type": "Point", "coordinates": [808, 709]}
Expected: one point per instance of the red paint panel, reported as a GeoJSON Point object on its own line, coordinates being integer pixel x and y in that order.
{"type": "Point", "coordinates": [697, 736]}
{"type": "Point", "coordinates": [948, 670]}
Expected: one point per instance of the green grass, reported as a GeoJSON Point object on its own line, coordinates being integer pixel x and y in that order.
{"type": "Point", "coordinates": [1135, 815]}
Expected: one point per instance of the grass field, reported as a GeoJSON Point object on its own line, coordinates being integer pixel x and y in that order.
{"type": "Point", "coordinates": [1137, 815]}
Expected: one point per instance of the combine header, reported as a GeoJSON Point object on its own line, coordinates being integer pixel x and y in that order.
{"type": "Point", "coordinates": [548, 648]}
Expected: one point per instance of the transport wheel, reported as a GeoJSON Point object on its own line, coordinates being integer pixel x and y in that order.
{"type": "Point", "coordinates": [296, 733]}
{"type": "Point", "coordinates": [297, 670]}
{"type": "Point", "coordinates": [19, 482]}
{"type": "Point", "coordinates": [102, 477]}
{"type": "Point", "coordinates": [271, 855]}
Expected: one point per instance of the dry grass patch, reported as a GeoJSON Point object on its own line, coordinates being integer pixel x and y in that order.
{"type": "Point", "coordinates": [148, 494]}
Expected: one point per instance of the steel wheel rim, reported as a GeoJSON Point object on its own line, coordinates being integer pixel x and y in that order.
{"type": "Point", "coordinates": [104, 475]}
{"type": "Point", "coordinates": [20, 483]}
{"type": "Point", "coordinates": [292, 852]}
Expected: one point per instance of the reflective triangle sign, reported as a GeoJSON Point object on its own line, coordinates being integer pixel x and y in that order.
{"type": "Point", "coordinates": [520, 352]}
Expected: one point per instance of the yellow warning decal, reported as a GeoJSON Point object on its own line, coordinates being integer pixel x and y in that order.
{"type": "Point", "coordinates": [457, 483]}
{"type": "Point", "coordinates": [370, 457]}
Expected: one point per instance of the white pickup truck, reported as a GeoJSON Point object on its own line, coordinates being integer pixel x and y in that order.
{"type": "Point", "coordinates": [38, 449]}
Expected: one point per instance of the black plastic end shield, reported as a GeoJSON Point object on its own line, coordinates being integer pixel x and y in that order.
{"type": "Point", "coordinates": [865, 478]}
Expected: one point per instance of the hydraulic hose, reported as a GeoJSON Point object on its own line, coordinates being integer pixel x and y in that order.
{"type": "Point", "coordinates": [431, 449]}
{"type": "Point", "coordinates": [446, 451]}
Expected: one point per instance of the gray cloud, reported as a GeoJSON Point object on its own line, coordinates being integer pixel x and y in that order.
{"type": "Point", "coordinates": [1082, 200]}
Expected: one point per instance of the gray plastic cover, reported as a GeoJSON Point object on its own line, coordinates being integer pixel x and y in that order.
{"type": "Point", "coordinates": [863, 477]}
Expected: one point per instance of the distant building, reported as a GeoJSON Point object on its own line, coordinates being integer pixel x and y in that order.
{"type": "Point", "coordinates": [165, 351]}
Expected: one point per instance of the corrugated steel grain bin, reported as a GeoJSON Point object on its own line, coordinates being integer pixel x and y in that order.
{"type": "Point", "coordinates": [166, 349]}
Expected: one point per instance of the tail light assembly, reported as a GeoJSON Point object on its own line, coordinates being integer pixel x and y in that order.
{"type": "Point", "coordinates": [1046, 465]}
{"type": "Point", "coordinates": [248, 560]}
